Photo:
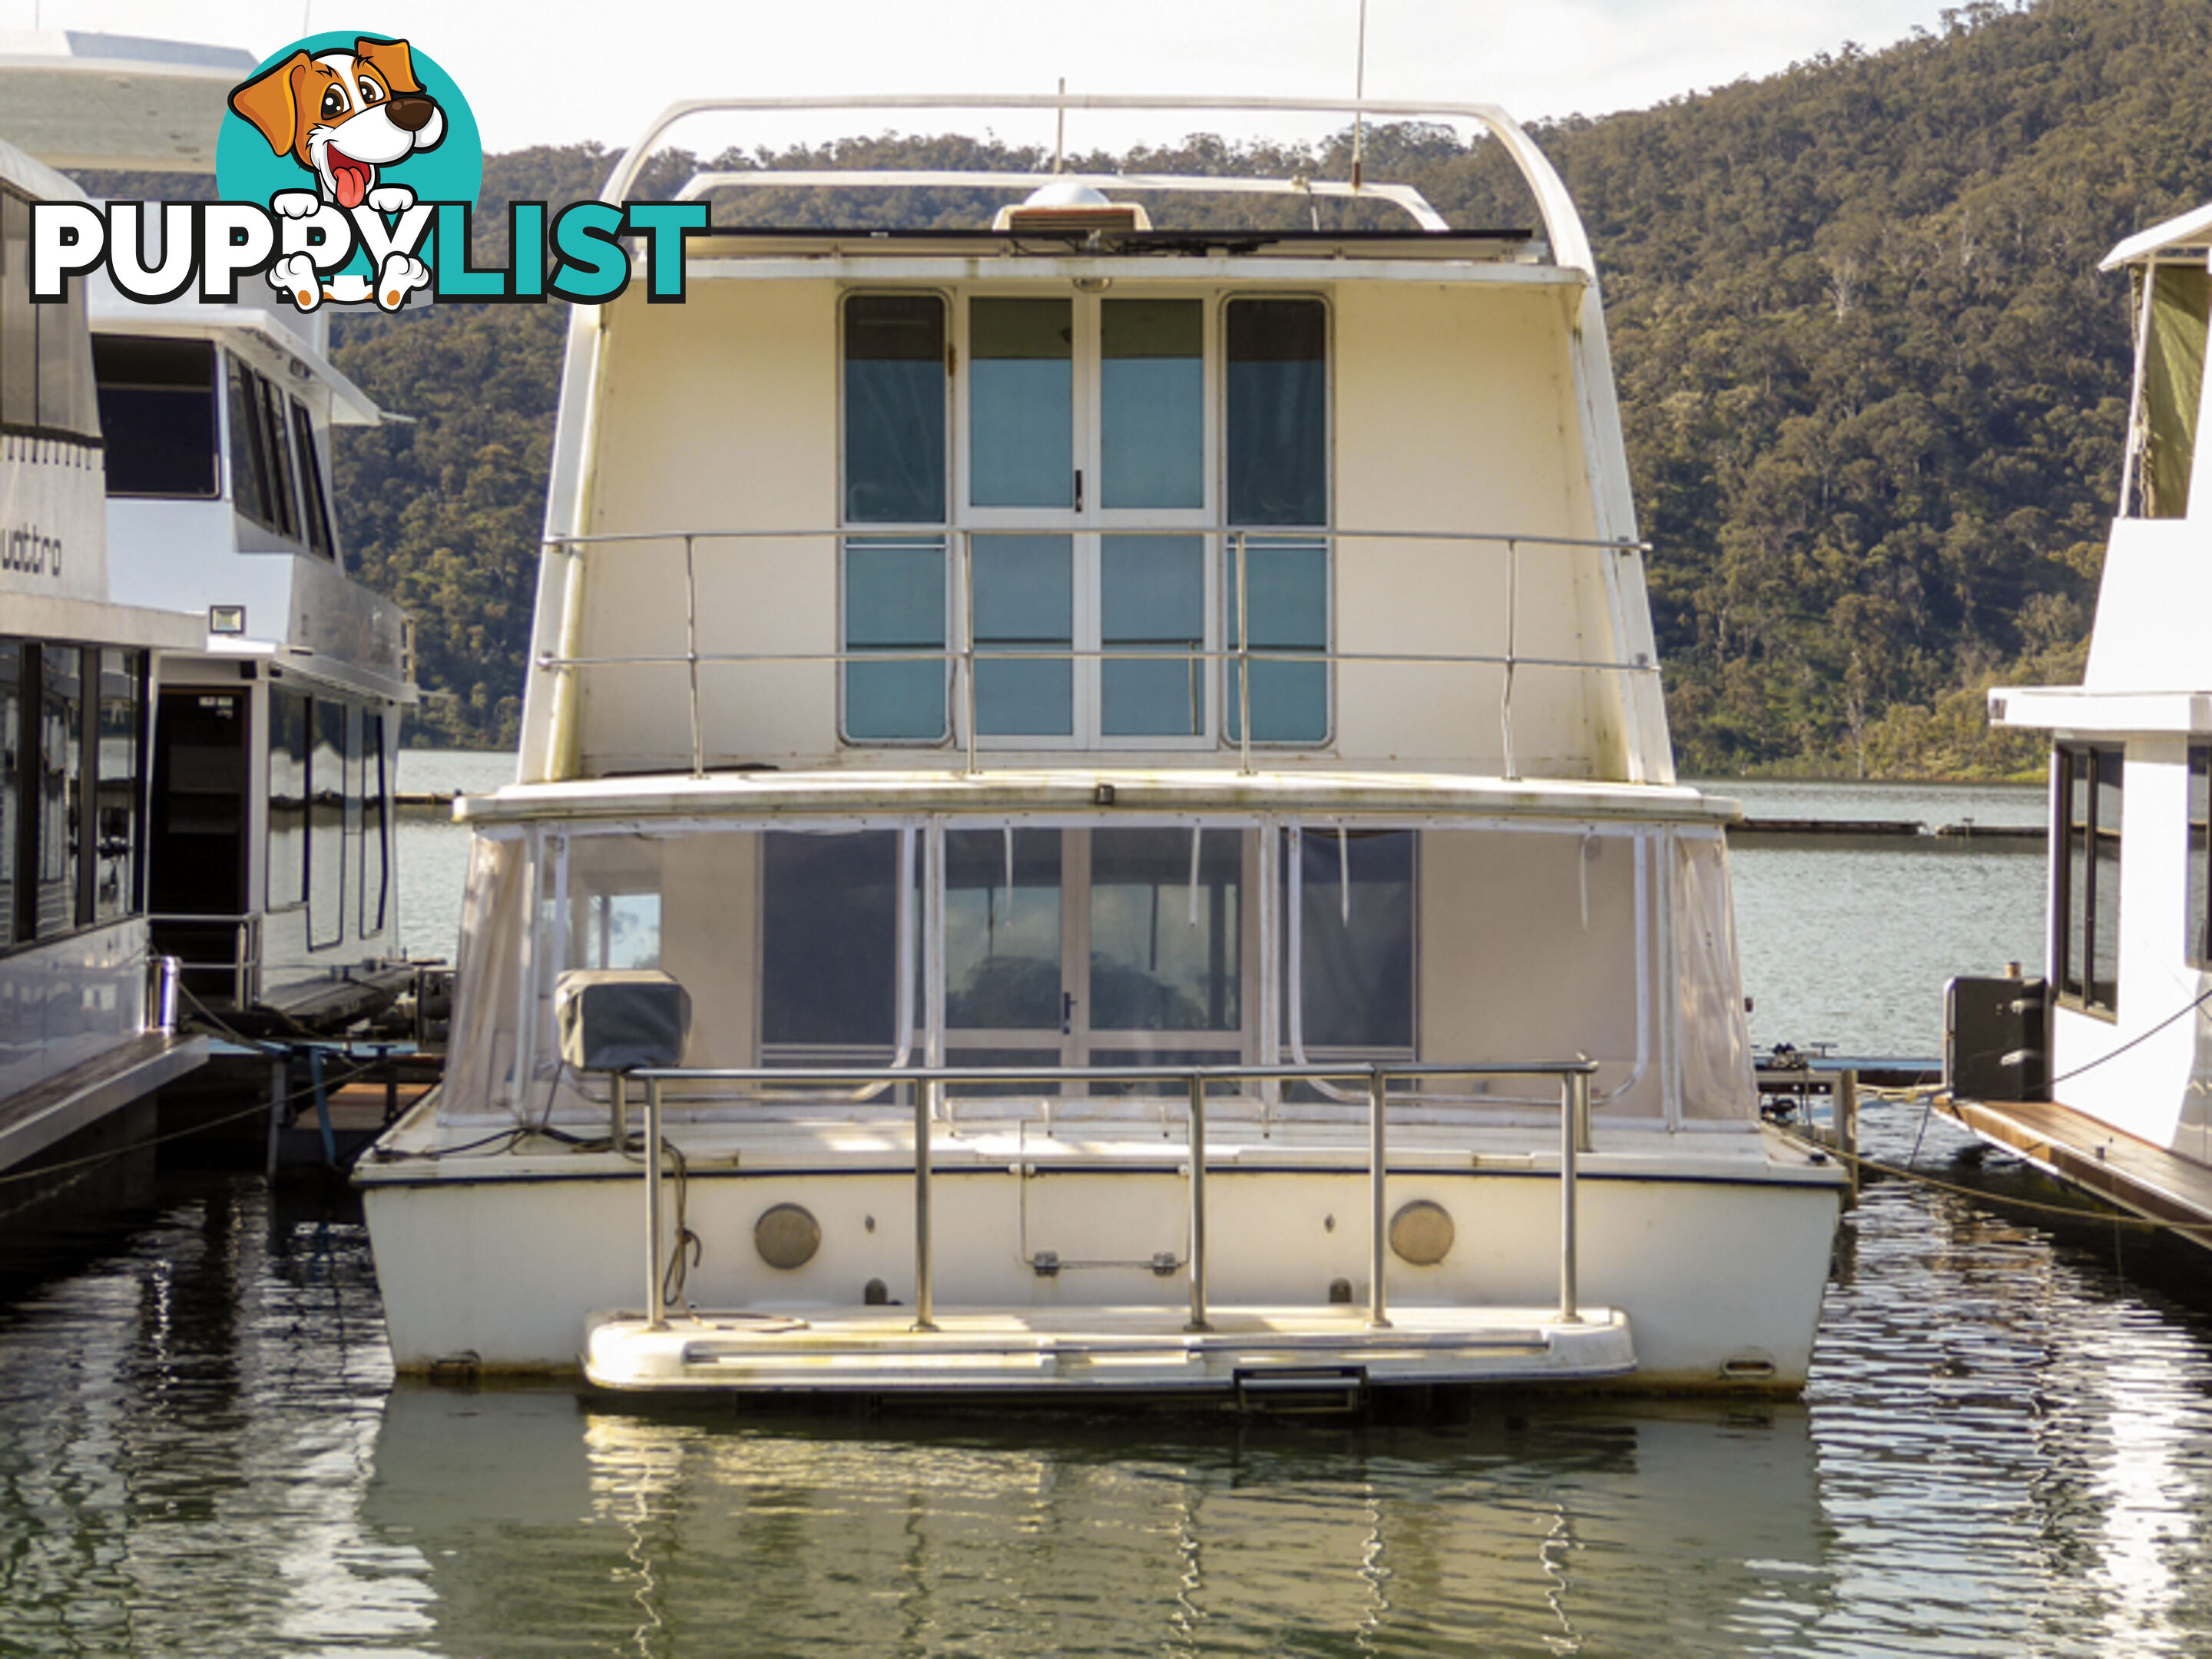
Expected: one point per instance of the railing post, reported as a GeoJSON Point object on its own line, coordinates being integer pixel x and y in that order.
{"type": "Point", "coordinates": [967, 541]}
{"type": "Point", "coordinates": [656, 1314]}
{"type": "Point", "coordinates": [1243, 656]}
{"type": "Point", "coordinates": [691, 651]}
{"type": "Point", "coordinates": [1512, 651]}
{"type": "Point", "coordinates": [1846, 1100]}
{"type": "Point", "coordinates": [618, 1111]}
{"type": "Point", "coordinates": [925, 1289]}
{"type": "Point", "coordinates": [1198, 1321]}
{"type": "Point", "coordinates": [1378, 1254]}
{"type": "Point", "coordinates": [1574, 1109]}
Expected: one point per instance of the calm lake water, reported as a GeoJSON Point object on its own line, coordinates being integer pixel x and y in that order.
{"type": "Point", "coordinates": [2006, 1448]}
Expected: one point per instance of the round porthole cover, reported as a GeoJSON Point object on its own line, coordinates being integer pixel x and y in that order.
{"type": "Point", "coordinates": [786, 1236]}
{"type": "Point", "coordinates": [1421, 1233]}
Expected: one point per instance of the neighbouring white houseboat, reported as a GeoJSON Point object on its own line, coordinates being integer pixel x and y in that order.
{"type": "Point", "coordinates": [275, 747]}
{"type": "Point", "coordinates": [1129, 764]}
{"type": "Point", "coordinates": [85, 1016]}
{"type": "Point", "coordinates": [274, 752]}
{"type": "Point", "coordinates": [2101, 1071]}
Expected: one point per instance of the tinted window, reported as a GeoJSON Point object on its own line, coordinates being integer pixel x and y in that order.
{"type": "Point", "coordinates": [326, 817]}
{"type": "Point", "coordinates": [314, 508]}
{"type": "Point", "coordinates": [895, 388]}
{"type": "Point", "coordinates": [288, 797]}
{"type": "Point", "coordinates": [894, 605]}
{"type": "Point", "coordinates": [1151, 402]}
{"type": "Point", "coordinates": [11, 782]}
{"type": "Point", "coordinates": [157, 408]}
{"type": "Point", "coordinates": [375, 869]}
{"type": "Point", "coordinates": [829, 939]}
{"type": "Point", "coordinates": [119, 793]}
{"type": "Point", "coordinates": [249, 486]}
{"type": "Point", "coordinates": [61, 775]}
{"type": "Point", "coordinates": [1021, 402]}
{"type": "Point", "coordinates": [1278, 412]}
{"type": "Point", "coordinates": [1356, 924]}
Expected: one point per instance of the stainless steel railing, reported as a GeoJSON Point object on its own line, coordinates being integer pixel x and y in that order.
{"type": "Point", "coordinates": [963, 651]}
{"type": "Point", "coordinates": [242, 966]}
{"type": "Point", "coordinates": [930, 1082]}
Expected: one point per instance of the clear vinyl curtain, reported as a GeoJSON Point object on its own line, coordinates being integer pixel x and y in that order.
{"type": "Point", "coordinates": [480, 1063]}
{"type": "Point", "coordinates": [1717, 1083]}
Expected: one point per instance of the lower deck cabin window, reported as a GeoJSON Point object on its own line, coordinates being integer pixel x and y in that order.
{"type": "Point", "coordinates": [287, 798]}
{"type": "Point", "coordinates": [72, 756]}
{"type": "Point", "coordinates": [327, 778]}
{"type": "Point", "coordinates": [2087, 864]}
{"type": "Point", "coordinates": [2196, 922]}
{"type": "Point", "coordinates": [120, 830]}
{"type": "Point", "coordinates": [60, 788]}
{"type": "Point", "coordinates": [1353, 972]}
{"type": "Point", "coordinates": [829, 956]}
{"type": "Point", "coordinates": [375, 838]}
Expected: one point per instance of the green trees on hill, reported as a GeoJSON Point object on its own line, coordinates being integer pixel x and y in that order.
{"type": "Point", "coordinates": [1873, 387]}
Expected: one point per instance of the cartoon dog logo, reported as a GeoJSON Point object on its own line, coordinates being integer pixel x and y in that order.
{"type": "Point", "coordinates": [343, 116]}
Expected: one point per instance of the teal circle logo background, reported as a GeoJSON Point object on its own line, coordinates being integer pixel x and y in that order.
{"type": "Point", "coordinates": [246, 170]}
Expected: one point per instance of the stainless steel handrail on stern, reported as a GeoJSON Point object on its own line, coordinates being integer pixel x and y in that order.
{"type": "Point", "coordinates": [929, 1084]}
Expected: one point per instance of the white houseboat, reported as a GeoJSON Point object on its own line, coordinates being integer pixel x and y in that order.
{"type": "Point", "coordinates": [273, 759]}
{"type": "Point", "coordinates": [276, 746]}
{"type": "Point", "coordinates": [84, 1019]}
{"type": "Point", "coordinates": [1129, 766]}
{"type": "Point", "coordinates": [2101, 1071]}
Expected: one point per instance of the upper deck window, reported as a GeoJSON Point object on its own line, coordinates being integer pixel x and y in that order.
{"type": "Point", "coordinates": [894, 408]}
{"type": "Point", "coordinates": [1105, 451]}
{"type": "Point", "coordinates": [157, 407]}
{"type": "Point", "coordinates": [1021, 404]}
{"type": "Point", "coordinates": [1278, 412]}
{"type": "Point", "coordinates": [275, 472]}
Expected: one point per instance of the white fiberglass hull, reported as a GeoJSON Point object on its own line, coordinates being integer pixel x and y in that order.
{"type": "Point", "coordinates": [1712, 1248]}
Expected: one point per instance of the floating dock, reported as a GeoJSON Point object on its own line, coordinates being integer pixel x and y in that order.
{"type": "Point", "coordinates": [2085, 1152]}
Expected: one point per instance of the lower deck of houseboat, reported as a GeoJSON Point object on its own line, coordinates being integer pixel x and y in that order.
{"type": "Point", "coordinates": [787, 1248]}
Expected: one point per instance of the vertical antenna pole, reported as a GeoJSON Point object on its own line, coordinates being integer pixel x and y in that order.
{"type": "Point", "coordinates": [1359, 97]}
{"type": "Point", "coordinates": [1060, 133]}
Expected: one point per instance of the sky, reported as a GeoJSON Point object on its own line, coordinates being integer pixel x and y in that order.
{"type": "Point", "coordinates": [574, 72]}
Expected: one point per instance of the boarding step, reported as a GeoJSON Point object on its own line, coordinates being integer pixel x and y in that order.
{"type": "Point", "coordinates": [1244, 1351]}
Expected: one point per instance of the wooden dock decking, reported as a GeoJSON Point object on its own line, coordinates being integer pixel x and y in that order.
{"type": "Point", "coordinates": [2145, 1179]}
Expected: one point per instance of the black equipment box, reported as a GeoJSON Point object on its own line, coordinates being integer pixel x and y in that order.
{"type": "Point", "coordinates": [1997, 1039]}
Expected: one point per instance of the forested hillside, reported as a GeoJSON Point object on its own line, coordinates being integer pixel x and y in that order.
{"type": "Point", "coordinates": [1873, 386]}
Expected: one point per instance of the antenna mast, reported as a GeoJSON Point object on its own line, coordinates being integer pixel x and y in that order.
{"type": "Point", "coordinates": [1359, 97]}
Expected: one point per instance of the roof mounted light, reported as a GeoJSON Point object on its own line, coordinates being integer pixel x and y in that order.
{"type": "Point", "coordinates": [1069, 206]}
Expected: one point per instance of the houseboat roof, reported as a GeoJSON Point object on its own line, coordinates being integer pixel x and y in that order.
{"type": "Point", "coordinates": [82, 99]}
{"type": "Point", "coordinates": [1518, 247]}
{"type": "Point", "coordinates": [253, 320]}
{"type": "Point", "coordinates": [2191, 232]}
{"type": "Point", "coordinates": [34, 177]}
{"type": "Point", "coordinates": [1565, 237]}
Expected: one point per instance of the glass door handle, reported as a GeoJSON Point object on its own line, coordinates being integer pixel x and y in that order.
{"type": "Point", "coordinates": [1067, 1013]}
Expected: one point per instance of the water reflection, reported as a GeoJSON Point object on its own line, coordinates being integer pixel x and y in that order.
{"type": "Point", "coordinates": [2007, 1448]}
{"type": "Point", "coordinates": [1544, 1529]}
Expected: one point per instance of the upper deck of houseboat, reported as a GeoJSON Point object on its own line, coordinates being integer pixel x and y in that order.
{"type": "Point", "coordinates": [1058, 491]}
